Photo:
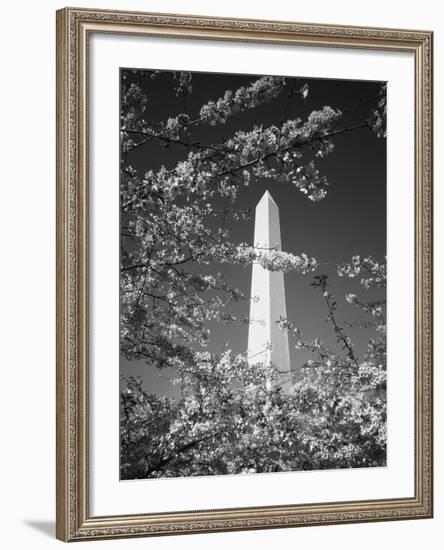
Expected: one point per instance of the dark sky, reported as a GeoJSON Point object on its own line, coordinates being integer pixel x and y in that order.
{"type": "Point", "coordinates": [350, 220]}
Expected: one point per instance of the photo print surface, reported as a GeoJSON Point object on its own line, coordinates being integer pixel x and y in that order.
{"type": "Point", "coordinates": [252, 274]}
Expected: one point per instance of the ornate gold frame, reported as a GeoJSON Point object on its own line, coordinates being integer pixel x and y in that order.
{"type": "Point", "coordinates": [73, 519]}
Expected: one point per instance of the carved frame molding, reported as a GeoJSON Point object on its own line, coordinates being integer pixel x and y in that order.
{"type": "Point", "coordinates": [73, 520]}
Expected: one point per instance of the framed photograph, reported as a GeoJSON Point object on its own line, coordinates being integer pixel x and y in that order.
{"type": "Point", "coordinates": [244, 274]}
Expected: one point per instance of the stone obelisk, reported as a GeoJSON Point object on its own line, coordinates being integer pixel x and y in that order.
{"type": "Point", "coordinates": [267, 343]}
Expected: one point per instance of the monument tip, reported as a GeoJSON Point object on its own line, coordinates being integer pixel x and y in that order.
{"type": "Point", "coordinates": [267, 196]}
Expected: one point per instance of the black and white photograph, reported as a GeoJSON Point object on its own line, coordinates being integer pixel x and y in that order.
{"type": "Point", "coordinates": [252, 274]}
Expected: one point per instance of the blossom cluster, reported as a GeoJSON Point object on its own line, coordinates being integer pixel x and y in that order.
{"type": "Point", "coordinates": [183, 82]}
{"type": "Point", "coordinates": [378, 119]}
{"type": "Point", "coordinates": [373, 272]}
{"type": "Point", "coordinates": [245, 97]}
{"type": "Point", "coordinates": [274, 260]}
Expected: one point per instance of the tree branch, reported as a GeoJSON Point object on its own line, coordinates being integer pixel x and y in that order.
{"type": "Point", "coordinates": [322, 285]}
{"type": "Point", "coordinates": [165, 139]}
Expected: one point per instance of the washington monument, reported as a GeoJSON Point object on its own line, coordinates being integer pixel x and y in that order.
{"type": "Point", "coordinates": [267, 343]}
